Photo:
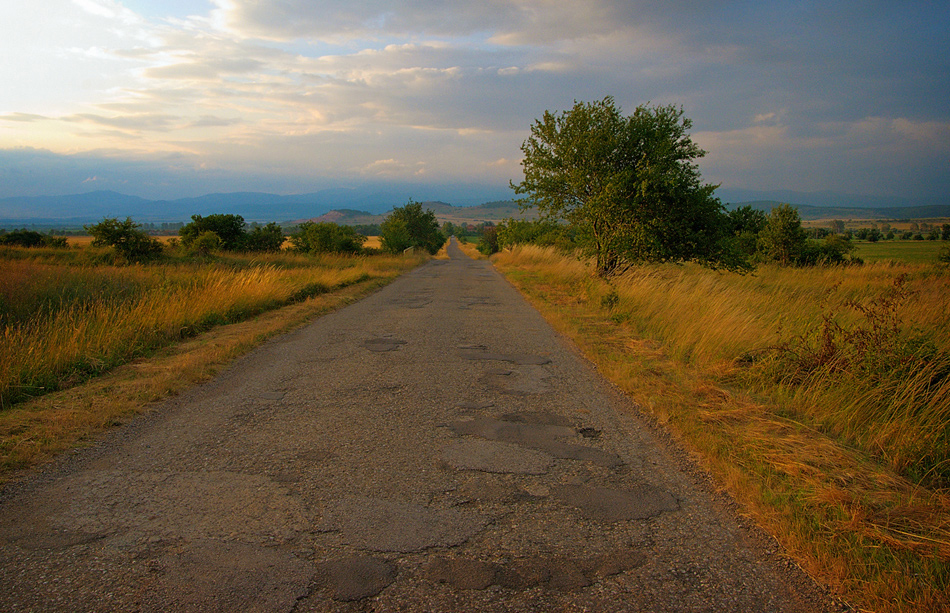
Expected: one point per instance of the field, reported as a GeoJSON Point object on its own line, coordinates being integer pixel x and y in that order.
{"type": "Point", "coordinates": [818, 397]}
{"type": "Point", "coordinates": [914, 252]}
{"type": "Point", "coordinates": [71, 316]}
{"type": "Point", "coordinates": [372, 242]}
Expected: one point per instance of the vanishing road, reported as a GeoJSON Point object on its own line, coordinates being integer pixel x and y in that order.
{"type": "Point", "coordinates": [434, 447]}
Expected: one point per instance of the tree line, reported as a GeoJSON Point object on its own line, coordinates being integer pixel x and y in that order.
{"type": "Point", "coordinates": [406, 227]}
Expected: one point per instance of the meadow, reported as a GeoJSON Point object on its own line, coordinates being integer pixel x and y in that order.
{"type": "Point", "coordinates": [912, 252]}
{"type": "Point", "coordinates": [818, 397]}
{"type": "Point", "coordinates": [72, 316]}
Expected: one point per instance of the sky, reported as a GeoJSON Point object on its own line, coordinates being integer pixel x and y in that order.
{"type": "Point", "coordinates": [178, 98]}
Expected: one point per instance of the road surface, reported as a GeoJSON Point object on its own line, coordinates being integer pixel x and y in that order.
{"type": "Point", "coordinates": [434, 447]}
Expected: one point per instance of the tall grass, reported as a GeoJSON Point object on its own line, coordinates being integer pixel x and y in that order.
{"type": "Point", "coordinates": [818, 397]}
{"type": "Point", "coordinates": [757, 329]}
{"type": "Point", "coordinates": [62, 323]}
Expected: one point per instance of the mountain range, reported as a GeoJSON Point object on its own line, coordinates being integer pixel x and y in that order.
{"type": "Point", "coordinates": [365, 206]}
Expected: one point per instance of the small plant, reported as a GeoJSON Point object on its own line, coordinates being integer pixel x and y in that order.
{"type": "Point", "coordinates": [610, 300]}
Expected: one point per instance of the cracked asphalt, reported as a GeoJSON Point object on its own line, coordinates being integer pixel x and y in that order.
{"type": "Point", "coordinates": [434, 447]}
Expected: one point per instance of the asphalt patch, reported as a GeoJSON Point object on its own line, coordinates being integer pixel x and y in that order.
{"type": "Point", "coordinates": [383, 344]}
{"type": "Point", "coordinates": [390, 526]}
{"type": "Point", "coordinates": [554, 573]}
{"type": "Point", "coordinates": [355, 578]}
{"type": "Point", "coordinates": [496, 457]}
{"type": "Point", "coordinates": [522, 359]}
{"type": "Point", "coordinates": [610, 505]}
{"type": "Point", "coordinates": [533, 433]}
{"type": "Point", "coordinates": [525, 381]}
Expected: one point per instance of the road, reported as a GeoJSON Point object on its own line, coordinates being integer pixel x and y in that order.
{"type": "Point", "coordinates": [434, 447]}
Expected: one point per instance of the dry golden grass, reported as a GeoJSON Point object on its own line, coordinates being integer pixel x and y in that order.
{"type": "Point", "coordinates": [373, 242]}
{"type": "Point", "coordinates": [471, 251]}
{"type": "Point", "coordinates": [86, 241]}
{"type": "Point", "coordinates": [62, 324]}
{"type": "Point", "coordinates": [669, 337]}
{"type": "Point", "coordinates": [33, 432]}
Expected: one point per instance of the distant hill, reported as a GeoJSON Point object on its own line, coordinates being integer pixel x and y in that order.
{"type": "Point", "coordinates": [810, 213]}
{"type": "Point", "coordinates": [490, 211]}
{"type": "Point", "coordinates": [345, 206]}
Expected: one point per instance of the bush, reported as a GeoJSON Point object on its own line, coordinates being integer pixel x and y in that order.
{"type": "Point", "coordinates": [269, 238]}
{"type": "Point", "coordinates": [31, 238]}
{"type": "Point", "coordinates": [488, 243]}
{"type": "Point", "coordinates": [126, 238]}
{"type": "Point", "coordinates": [229, 228]}
{"type": "Point", "coordinates": [540, 232]}
{"type": "Point", "coordinates": [312, 237]}
{"type": "Point", "coordinates": [205, 243]}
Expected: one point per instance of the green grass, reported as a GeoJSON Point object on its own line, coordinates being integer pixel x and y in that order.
{"type": "Point", "coordinates": [912, 252]}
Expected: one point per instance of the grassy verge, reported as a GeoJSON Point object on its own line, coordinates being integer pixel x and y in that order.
{"type": "Point", "coordinates": [149, 366]}
{"type": "Point", "coordinates": [832, 478]}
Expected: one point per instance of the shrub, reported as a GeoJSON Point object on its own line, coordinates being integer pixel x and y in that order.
{"type": "Point", "coordinates": [229, 228]}
{"type": "Point", "coordinates": [269, 238]}
{"type": "Point", "coordinates": [31, 238]}
{"type": "Point", "coordinates": [325, 237]}
{"type": "Point", "coordinates": [126, 238]}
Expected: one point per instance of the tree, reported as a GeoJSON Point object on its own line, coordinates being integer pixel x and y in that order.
{"type": "Point", "coordinates": [269, 238]}
{"type": "Point", "coordinates": [126, 238]}
{"type": "Point", "coordinates": [783, 239]}
{"type": "Point", "coordinates": [628, 185]}
{"type": "Point", "coordinates": [22, 238]}
{"type": "Point", "coordinates": [229, 228]}
{"type": "Point", "coordinates": [744, 224]}
{"type": "Point", "coordinates": [411, 226]}
{"type": "Point", "coordinates": [325, 237]}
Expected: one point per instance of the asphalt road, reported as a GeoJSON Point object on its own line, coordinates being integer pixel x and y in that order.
{"type": "Point", "coordinates": [434, 447]}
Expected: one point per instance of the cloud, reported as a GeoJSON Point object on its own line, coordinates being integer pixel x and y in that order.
{"type": "Point", "coordinates": [780, 93]}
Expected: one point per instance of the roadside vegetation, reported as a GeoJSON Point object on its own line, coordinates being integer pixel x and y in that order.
{"type": "Point", "coordinates": [818, 396]}
{"type": "Point", "coordinates": [815, 386]}
{"type": "Point", "coordinates": [73, 317]}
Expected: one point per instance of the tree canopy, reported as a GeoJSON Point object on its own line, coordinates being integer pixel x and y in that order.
{"type": "Point", "coordinates": [126, 237]}
{"type": "Point", "coordinates": [325, 237]}
{"type": "Point", "coordinates": [229, 228]}
{"type": "Point", "coordinates": [628, 184]}
{"type": "Point", "coordinates": [411, 226]}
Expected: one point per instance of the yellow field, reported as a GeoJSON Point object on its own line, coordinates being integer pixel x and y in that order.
{"type": "Point", "coordinates": [372, 242]}
{"type": "Point", "coordinates": [85, 241]}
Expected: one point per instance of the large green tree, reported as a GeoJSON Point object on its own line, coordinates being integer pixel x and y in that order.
{"type": "Point", "coordinates": [628, 184]}
{"type": "Point", "coordinates": [411, 226]}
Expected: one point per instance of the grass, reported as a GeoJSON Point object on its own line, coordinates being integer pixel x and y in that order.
{"type": "Point", "coordinates": [913, 252]}
{"type": "Point", "coordinates": [835, 466]}
{"type": "Point", "coordinates": [65, 323]}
